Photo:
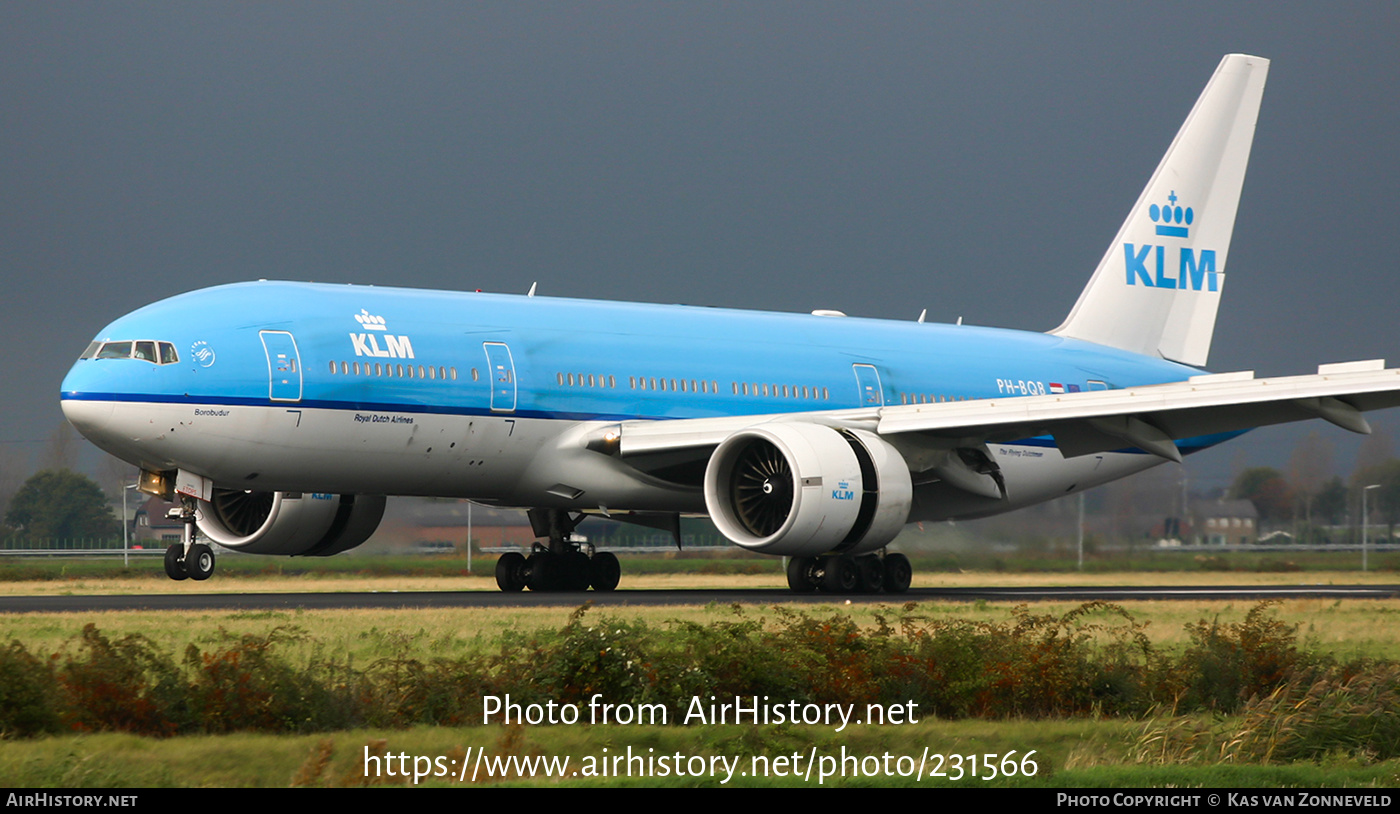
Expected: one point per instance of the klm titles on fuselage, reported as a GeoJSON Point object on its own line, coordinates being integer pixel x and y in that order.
{"type": "Point", "coordinates": [395, 347]}
{"type": "Point", "coordinates": [1147, 264]}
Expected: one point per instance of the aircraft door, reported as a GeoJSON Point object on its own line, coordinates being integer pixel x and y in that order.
{"type": "Point", "coordinates": [283, 366]}
{"type": "Point", "coordinates": [868, 380]}
{"type": "Point", "coordinates": [501, 370]}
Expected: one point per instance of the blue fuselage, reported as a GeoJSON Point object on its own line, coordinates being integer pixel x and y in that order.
{"type": "Point", "coordinates": [338, 388]}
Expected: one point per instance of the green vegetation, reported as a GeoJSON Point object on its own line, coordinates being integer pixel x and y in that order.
{"type": "Point", "coordinates": [1095, 660]}
{"type": "Point", "coordinates": [62, 504]}
{"type": "Point", "coordinates": [1069, 754]}
{"type": "Point", "coordinates": [1248, 702]}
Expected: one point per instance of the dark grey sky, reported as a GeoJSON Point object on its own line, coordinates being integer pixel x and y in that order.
{"type": "Point", "coordinates": [971, 158]}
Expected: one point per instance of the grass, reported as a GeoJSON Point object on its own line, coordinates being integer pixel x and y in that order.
{"type": "Point", "coordinates": [1084, 752]}
{"type": "Point", "coordinates": [244, 573]}
{"type": "Point", "coordinates": [1068, 754]}
{"type": "Point", "coordinates": [1345, 629]}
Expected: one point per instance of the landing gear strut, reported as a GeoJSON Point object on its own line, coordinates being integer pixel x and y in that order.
{"type": "Point", "coordinates": [188, 559]}
{"type": "Point", "coordinates": [560, 564]}
{"type": "Point", "coordinates": [843, 574]}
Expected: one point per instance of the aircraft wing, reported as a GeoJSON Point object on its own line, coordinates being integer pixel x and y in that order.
{"type": "Point", "coordinates": [1151, 417]}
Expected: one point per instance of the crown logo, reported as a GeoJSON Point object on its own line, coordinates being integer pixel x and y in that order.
{"type": "Point", "coordinates": [1171, 220]}
{"type": "Point", "coordinates": [373, 323]}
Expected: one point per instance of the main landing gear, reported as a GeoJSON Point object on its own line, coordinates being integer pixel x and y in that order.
{"type": "Point", "coordinates": [188, 559]}
{"type": "Point", "coordinates": [841, 574]}
{"type": "Point", "coordinates": [560, 565]}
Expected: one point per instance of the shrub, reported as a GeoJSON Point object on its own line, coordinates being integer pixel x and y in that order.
{"type": "Point", "coordinates": [28, 705]}
{"type": "Point", "coordinates": [1226, 665]}
{"type": "Point", "coordinates": [129, 685]}
{"type": "Point", "coordinates": [246, 686]}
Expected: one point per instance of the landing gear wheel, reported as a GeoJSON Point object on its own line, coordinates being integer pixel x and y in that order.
{"type": "Point", "coordinates": [543, 572]}
{"type": "Point", "coordinates": [577, 571]}
{"type": "Point", "coordinates": [510, 572]}
{"type": "Point", "coordinates": [872, 574]}
{"type": "Point", "coordinates": [841, 577]}
{"type": "Point", "coordinates": [175, 562]}
{"type": "Point", "coordinates": [799, 575]}
{"type": "Point", "coordinates": [605, 571]}
{"type": "Point", "coordinates": [199, 561]}
{"type": "Point", "coordinates": [898, 573]}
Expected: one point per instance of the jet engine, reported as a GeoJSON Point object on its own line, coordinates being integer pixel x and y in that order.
{"type": "Point", "coordinates": [803, 489]}
{"type": "Point", "coordinates": [300, 524]}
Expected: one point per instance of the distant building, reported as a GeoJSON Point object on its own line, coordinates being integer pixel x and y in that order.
{"type": "Point", "coordinates": [1224, 522]}
{"type": "Point", "coordinates": [151, 525]}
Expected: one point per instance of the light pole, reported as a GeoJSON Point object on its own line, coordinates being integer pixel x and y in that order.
{"type": "Point", "coordinates": [1081, 531]}
{"type": "Point", "coordinates": [126, 526]}
{"type": "Point", "coordinates": [1365, 525]}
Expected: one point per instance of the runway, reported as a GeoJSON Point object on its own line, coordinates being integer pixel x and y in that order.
{"type": "Point", "coordinates": [496, 599]}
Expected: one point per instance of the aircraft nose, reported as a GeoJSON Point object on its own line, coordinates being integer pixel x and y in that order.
{"type": "Point", "coordinates": [85, 397]}
{"type": "Point", "coordinates": [75, 397]}
{"type": "Point", "coordinates": [87, 417]}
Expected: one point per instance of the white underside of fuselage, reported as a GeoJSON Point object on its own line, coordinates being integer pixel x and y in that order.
{"type": "Point", "coordinates": [499, 459]}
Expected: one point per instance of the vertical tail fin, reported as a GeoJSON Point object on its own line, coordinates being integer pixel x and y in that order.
{"type": "Point", "coordinates": [1157, 288]}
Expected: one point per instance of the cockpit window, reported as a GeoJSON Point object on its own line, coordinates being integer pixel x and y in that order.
{"type": "Point", "coordinates": [115, 350]}
{"type": "Point", "coordinates": [147, 350]}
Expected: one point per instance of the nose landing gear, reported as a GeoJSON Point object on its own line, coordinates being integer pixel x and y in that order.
{"type": "Point", "coordinates": [188, 559]}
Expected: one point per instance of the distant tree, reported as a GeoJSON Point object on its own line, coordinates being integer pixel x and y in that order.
{"type": "Point", "coordinates": [61, 503]}
{"type": "Point", "coordinates": [61, 452]}
{"type": "Point", "coordinates": [1330, 505]}
{"type": "Point", "coordinates": [1267, 490]}
{"type": "Point", "coordinates": [1377, 449]}
{"type": "Point", "coordinates": [11, 476]}
{"type": "Point", "coordinates": [1308, 470]}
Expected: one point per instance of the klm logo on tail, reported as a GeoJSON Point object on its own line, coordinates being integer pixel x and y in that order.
{"type": "Point", "coordinates": [1147, 264]}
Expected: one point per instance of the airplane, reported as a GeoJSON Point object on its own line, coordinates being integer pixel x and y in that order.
{"type": "Point", "coordinates": [282, 414]}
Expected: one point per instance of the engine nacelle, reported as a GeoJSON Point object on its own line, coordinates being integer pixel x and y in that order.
{"type": "Point", "coordinates": [802, 489]}
{"type": "Point", "coordinates": [290, 523]}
